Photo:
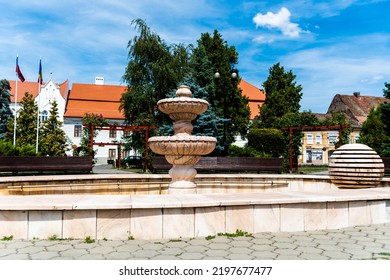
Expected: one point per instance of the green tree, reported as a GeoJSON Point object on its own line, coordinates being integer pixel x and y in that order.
{"type": "Point", "coordinates": [339, 118]}
{"type": "Point", "coordinates": [26, 123]}
{"type": "Point", "coordinates": [53, 141]}
{"type": "Point", "coordinates": [283, 96]}
{"type": "Point", "coordinates": [214, 54]}
{"type": "Point", "coordinates": [386, 91]}
{"type": "Point", "coordinates": [5, 111]}
{"type": "Point", "coordinates": [375, 131]}
{"type": "Point", "coordinates": [153, 70]}
{"type": "Point", "coordinates": [90, 119]}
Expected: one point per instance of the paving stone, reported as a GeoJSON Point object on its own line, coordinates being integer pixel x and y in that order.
{"type": "Point", "coordinates": [165, 257]}
{"type": "Point", "coordinates": [111, 243]}
{"type": "Point", "coordinates": [118, 256]}
{"type": "Point", "coordinates": [284, 245]}
{"type": "Point", "coordinates": [152, 246]}
{"type": "Point", "coordinates": [239, 257]}
{"type": "Point", "coordinates": [7, 251]}
{"type": "Point", "coordinates": [101, 250]}
{"type": "Point", "coordinates": [304, 238]}
{"type": "Point", "coordinates": [333, 255]}
{"type": "Point", "coordinates": [243, 243]}
{"type": "Point", "coordinates": [18, 244]}
{"type": "Point", "coordinates": [264, 255]}
{"type": "Point", "coordinates": [282, 239]}
{"type": "Point", "coordinates": [59, 247]}
{"type": "Point", "coordinates": [91, 257]}
{"type": "Point", "coordinates": [16, 257]}
{"type": "Point", "coordinates": [193, 249]}
{"type": "Point", "coordinates": [145, 254]}
{"type": "Point", "coordinates": [311, 250]}
{"type": "Point", "coordinates": [261, 241]}
{"type": "Point", "coordinates": [351, 245]}
{"type": "Point", "coordinates": [200, 242]}
{"type": "Point", "coordinates": [287, 252]}
{"type": "Point", "coordinates": [327, 247]}
{"type": "Point", "coordinates": [44, 255]}
{"type": "Point", "coordinates": [171, 251]}
{"type": "Point", "coordinates": [288, 257]}
{"type": "Point", "coordinates": [74, 252]}
{"type": "Point", "coordinates": [216, 253]}
{"type": "Point", "coordinates": [263, 247]}
{"type": "Point", "coordinates": [240, 250]}
{"type": "Point", "coordinates": [191, 256]}
{"type": "Point", "coordinates": [174, 244]}
{"type": "Point", "coordinates": [313, 256]}
{"type": "Point", "coordinates": [358, 254]}
{"type": "Point", "coordinates": [369, 244]}
{"type": "Point", "coordinates": [305, 243]}
{"type": "Point", "coordinates": [30, 250]}
{"type": "Point", "coordinates": [219, 246]}
{"type": "Point", "coordinates": [128, 248]}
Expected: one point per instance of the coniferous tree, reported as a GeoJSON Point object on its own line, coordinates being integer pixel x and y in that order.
{"type": "Point", "coordinates": [5, 111]}
{"type": "Point", "coordinates": [53, 140]}
{"type": "Point", "coordinates": [26, 123]}
{"type": "Point", "coordinates": [225, 97]}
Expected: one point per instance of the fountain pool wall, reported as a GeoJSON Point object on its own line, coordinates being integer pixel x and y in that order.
{"type": "Point", "coordinates": [137, 206]}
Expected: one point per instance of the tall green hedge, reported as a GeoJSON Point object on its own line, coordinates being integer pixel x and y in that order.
{"type": "Point", "coordinates": [267, 140]}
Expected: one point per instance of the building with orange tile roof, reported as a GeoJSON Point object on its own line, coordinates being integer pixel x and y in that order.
{"type": "Point", "coordinates": [255, 96]}
{"type": "Point", "coordinates": [104, 99]}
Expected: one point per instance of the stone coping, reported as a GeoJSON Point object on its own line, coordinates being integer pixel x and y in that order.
{"type": "Point", "coordinates": [85, 202]}
{"type": "Point", "coordinates": [159, 176]}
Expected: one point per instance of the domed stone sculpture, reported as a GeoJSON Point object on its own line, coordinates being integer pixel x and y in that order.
{"type": "Point", "coordinates": [355, 166]}
{"type": "Point", "coordinates": [182, 150]}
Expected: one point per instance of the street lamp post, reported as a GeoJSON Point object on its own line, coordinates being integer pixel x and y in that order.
{"type": "Point", "coordinates": [217, 75]}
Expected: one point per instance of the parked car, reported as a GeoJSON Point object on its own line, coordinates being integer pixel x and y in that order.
{"type": "Point", "coordinates": [132, 161]}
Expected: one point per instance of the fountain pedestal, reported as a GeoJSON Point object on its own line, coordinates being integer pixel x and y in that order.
{"type": "Point", "coordinates": [182, 150]}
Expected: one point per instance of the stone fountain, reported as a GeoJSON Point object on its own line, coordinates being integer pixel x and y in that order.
{"type": "Point", "coordinates": [182, 150]}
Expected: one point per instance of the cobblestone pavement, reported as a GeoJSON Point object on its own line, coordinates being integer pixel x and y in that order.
{"type": "Point", "coordinates": [357, 243]}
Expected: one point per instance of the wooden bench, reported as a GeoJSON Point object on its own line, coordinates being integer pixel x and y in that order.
{"type": "Point", "coordinates": [217, 164]}
{"type": "Point", "coordinates": [386, 161]}
{"type": "Point", "coordinates": [17, 164]}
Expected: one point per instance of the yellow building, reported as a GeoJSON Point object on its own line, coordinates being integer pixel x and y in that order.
{"type": "Point", "coordinates": [318, 146]}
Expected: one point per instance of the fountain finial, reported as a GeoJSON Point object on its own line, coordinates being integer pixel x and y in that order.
{"type": "Point", "coordinates": [183, 91]}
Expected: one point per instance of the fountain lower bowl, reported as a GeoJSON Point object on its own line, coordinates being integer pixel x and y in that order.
{"type": "Point", "coordinates": [178, 145]}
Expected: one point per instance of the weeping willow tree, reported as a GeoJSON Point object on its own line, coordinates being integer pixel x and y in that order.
{"type": "Point", "coordinates": [154, 69]}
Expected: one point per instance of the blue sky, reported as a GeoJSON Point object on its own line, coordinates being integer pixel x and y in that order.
{"type": "Point", "coordinates": [337, 46]}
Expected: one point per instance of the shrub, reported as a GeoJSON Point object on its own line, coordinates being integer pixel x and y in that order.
{"type": "Point", "coordinates": [267, 141]}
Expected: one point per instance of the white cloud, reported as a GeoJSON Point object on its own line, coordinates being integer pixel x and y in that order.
{"type": "Point", "coordinates": [280, 20]}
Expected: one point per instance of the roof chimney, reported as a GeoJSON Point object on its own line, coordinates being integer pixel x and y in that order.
{"type": "Point", "coordinates": [99, 81]}
{"type": "Point", "coordinates": [356, 94]}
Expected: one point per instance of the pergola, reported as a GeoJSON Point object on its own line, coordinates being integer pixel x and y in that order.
{"type": "Point", "coordinates": [124, 128]}
{"type": "Point", "coordinates": [292, 129]}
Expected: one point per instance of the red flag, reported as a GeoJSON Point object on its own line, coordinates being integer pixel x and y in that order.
{"type": "Point", "coordinates": [20, 75]}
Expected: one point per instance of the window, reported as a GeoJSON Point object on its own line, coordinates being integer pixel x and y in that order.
{"type": "Point", "coordinates": [318, 139]}
{"type": "Point", "coordinates": [309, 138]}
{"type": "Point", "coordinates": [77, 130]}
{"type": "Point", "coordinates": [112, 133]}
{"type": "Point", "coordinates": [333, 137]}
{"type": "Point", "coordinates": [44, 116]}
{"type": "Point", "coordinates": [111, 154]}
{"type": "Point", "coordinates": [357, 136]}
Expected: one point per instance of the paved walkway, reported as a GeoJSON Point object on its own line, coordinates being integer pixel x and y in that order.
{"type": "Point", "coordinates": [363, 242]}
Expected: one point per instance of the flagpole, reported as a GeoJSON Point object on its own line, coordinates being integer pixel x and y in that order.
{"type": "Point", "coordinates": [39, 102]}
{"type": "Point", "coordinates": [16, 99]}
